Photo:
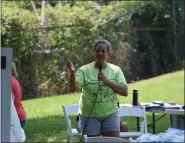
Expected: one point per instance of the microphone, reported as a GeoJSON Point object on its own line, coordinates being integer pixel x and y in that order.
{"type": "Point", "coordinates": [100, 67]}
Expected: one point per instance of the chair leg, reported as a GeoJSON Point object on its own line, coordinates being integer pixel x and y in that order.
{"type": "Point", "coordinates": [130, 139]}
{"type": "Point", "coordinates": [69, 139]}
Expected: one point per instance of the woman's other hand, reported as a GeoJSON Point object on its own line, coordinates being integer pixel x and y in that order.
{"type": "Point", "coordinates": [70, 66]}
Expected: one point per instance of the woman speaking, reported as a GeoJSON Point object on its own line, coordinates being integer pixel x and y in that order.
{"type": "Point", "coordinates": [100, 82]}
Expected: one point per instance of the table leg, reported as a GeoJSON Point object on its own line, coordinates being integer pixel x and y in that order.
{"type": "Point", "coordinates": [177, 121]}
{"type": "Point", "coordinates": [171, 121]}
{"type": "Point", "coordinates": [138, 124]}
{"type": "Point", "coordinates": [153, 120]}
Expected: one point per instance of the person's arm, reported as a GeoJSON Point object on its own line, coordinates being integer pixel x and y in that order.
{"type": "Point", "coordinates": [13, 86]}
{"type": "Point", "coordinates": [119, 89]}
{"type": "Point", "coordinates": [72, 82]}
{"type": "Point", "coordinates": [72, 79]}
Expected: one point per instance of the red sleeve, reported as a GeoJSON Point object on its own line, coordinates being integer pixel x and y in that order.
{"type": "Point", "coordinates": [14, 89]}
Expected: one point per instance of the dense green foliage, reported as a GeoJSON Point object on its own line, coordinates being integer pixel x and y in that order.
{"type": "Point", "coordinates": [70, 30]}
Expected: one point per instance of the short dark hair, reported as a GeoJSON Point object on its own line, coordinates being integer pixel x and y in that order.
{"type": "Point", "coordinates": [102, 41]}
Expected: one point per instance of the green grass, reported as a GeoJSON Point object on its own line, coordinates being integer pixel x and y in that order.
{"type": "Point", "coordinates": [45, 121]}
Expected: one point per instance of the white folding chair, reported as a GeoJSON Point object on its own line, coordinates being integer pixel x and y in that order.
{"type": "Point", "coordinates": [134, 112]}
{"type": "Point", "coordinates": [104, 139]}
{"type": "Point", "coordinates": [69, 110]}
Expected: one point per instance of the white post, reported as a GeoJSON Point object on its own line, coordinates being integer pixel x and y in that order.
{"type": "Point", "coordinates": [6, 72]}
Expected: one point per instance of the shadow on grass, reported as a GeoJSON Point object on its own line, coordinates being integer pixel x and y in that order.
{"type": "Point", "coordinates": [53, 128]}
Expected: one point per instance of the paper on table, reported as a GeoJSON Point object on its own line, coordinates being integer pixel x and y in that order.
{"type": "Point", "coordinates": [176, 106]}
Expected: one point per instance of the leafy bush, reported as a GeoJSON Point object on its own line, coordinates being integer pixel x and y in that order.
{"type": "Point", "coordinates": [69, 32]}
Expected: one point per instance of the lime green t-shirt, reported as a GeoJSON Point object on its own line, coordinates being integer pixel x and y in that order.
{"type": "Point", "coordinates": [87, 80]}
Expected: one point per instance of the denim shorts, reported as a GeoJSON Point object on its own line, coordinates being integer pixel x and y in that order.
{"type": "Point", "coordinates": [97, 125]}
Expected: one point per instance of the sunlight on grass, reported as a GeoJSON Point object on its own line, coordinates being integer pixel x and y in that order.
{"type": "Point", "coordinates": [169, 88]}
{"type": "Point", "coordinates": [45, 116]}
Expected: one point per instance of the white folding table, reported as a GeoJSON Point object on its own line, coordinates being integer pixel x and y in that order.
{"type": "Point", "coordinates": [164, 111]}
